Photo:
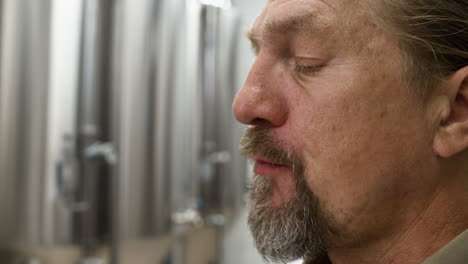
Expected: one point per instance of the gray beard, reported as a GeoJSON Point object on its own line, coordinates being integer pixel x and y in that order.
{"type": "Point", "coordinates": [296, 229]}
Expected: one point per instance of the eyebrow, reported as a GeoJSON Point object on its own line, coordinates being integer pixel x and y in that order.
{"type": "Point", "coordinates": [253, 41]}
{"type": "Point", "coordinates": [290, 24]}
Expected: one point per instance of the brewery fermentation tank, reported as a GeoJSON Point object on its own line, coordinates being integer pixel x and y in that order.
{"type": "Point", "coordinates": [115, 127]}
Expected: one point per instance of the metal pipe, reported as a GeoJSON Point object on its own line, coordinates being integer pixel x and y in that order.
{"type": "Point", "coordinates": [88, 127]}
{"type": "Point", "coordinates": [115, 95]}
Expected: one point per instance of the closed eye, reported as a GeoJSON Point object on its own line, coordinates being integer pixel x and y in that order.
{"type": "Point", "coordinates": [306, 68]}
{"type": "Point", "coordinates": [305, 65]}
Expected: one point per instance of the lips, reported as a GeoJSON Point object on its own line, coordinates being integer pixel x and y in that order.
{"type": "Point", "coordinates": [269, 169]}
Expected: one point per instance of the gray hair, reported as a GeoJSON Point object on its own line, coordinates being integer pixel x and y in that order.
{"type": "Point", "coordinates": [433, 36]}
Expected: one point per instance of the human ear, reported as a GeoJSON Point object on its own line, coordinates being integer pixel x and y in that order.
{"type": "Point", "coordinates": [452, 133]}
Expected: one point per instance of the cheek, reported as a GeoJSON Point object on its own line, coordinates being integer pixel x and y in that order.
{"type": "Point", "coordinates": [359, 147]}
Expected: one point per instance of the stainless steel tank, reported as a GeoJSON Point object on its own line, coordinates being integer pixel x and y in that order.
{"type": "Point", "coordinates": [175, 68]}
{"type": "Point", "coordinates": [37, 116]}
{"type": "Point", "coordinates": [115, 125]}
{"type": "Point", "coordinates": [50, 72]}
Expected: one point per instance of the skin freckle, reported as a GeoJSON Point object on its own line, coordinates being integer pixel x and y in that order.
{"type": "Point", "coordinates": [382, 114]}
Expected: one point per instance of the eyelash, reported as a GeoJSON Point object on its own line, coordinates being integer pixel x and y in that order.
{"type": "Point", "coordinates": [298, 68]}
{"type": "Point", "coordinates": [254, 48]}
{"type": "Point", "coordinates": [306, 69]}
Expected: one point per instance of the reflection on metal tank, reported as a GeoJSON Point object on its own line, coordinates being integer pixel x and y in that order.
{"type": "Point", "coordinates": [221, 172]}
{"type": "Point", "coordinates": [115, 125]}
{"type": "Point", "coordinates": [175, 69]}
{"type": "Point", "coordinates": [36, 129]}
{"type": "Point", "coordinates": [51, 121]}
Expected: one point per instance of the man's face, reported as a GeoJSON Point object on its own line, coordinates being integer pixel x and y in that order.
{"type": "Point", "coordinates": [325, 94]}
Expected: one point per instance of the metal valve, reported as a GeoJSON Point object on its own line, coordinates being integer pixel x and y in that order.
{"type": "Point", "coordinates": [104, 150]}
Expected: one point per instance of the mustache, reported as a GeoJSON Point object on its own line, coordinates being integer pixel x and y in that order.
{"type": "Point", "coordinates": [258, 142]}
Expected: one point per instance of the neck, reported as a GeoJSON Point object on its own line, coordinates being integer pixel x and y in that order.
{"type": "Point", "coordinates": [444, 217]}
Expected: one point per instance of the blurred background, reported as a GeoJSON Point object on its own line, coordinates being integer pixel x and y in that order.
{"type": "Point", "coordinates": [117, 142]}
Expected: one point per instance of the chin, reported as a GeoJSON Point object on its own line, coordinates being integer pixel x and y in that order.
{"type": "Point", "coordinates": [279, 198]}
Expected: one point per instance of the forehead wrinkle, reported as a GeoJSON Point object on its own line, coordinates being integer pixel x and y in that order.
{"type": "Point", "coordinates": [306, 17]}
{"type": "Point", "coordinates": [292, 24]}
{"type": "Point", "coordinates": [309, 22]}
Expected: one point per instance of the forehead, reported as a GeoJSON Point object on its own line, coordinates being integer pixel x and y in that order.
{"type": "Point", "coordinates": [346, 25]}
{"type": "Point", "coordinates": [287, 15]}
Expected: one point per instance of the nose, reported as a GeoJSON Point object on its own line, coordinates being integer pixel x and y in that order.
{"type": "Point", "coordinates": [260, 102]}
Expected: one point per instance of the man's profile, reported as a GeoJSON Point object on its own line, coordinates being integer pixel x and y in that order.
{"type": "Point", "coordinates": [358, 126]}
